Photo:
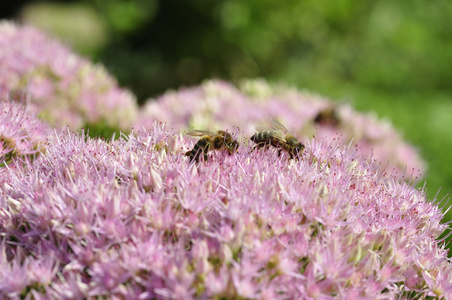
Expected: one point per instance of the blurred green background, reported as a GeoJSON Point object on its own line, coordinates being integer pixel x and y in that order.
{"type": "Point", "coordinates": [391, 57]}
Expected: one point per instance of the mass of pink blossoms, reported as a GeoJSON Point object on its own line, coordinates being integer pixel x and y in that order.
{"type": "Point", "coordinates": [133, 219]}
{"type": "Point", "coordinates": [218, 105]}
{"type": "Point", "coordinates": [65, 89]}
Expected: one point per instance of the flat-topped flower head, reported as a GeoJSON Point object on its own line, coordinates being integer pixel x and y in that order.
{"type": "Point", "coordinates": [64, 88]}
{"type": "Point", "coordinates": [134, 219]}
{"type": "Point", "coordinates": [217, 104]}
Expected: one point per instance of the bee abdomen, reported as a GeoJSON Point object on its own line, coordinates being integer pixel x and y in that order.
{"type": "Point", "coordinates": [260, 137]}
{"type": "Point", "coordinates": [201, 147]}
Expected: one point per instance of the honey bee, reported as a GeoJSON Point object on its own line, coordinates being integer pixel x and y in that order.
{"type": "Point", "coordinates": [278, 136]}
{"type": "Point", "coordinates": [327, 117]}
{"type": "Point", "coordinates": [220, 140]}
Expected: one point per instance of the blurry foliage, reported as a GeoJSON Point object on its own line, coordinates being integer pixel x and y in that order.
{"type": "Point", "coordinates": [392, 57]}
{"type": "Point", "coordinates": [395, 46]}
{"type": "Point", "coordinates": [126, 16]}
{"type": "Point", "coordinates": [77, 24]}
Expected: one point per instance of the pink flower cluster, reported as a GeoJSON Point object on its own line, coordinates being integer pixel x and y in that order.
{"type": "Point", "coordinates": [21, 132]}
{"type": "Point", "coordinates": [64, 88]}
{"type": "Point", "coordinates": [219, 105]}
{"type": "Point", "coordinates": [132, 219]}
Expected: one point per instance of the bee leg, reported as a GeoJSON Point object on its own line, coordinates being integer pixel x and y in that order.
{"type": "Point", "coordinates": [260, 145]}
{"type": "Point", "coordinates": [205, 150]}
{"type": "Point", "coordinates": [279, 152]}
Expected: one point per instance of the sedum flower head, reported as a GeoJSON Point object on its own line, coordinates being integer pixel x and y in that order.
{"type": "Point", "coordinates": [134, 219]}
{"type": "Point", "coordinates": [65, 88]}
{"type": "Point", "coordinates": [217, 104]}
{"type": "Point", "coordinates": [21, 132]}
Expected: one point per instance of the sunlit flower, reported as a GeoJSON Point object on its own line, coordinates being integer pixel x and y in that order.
{"type": "Point", "coordinates": [133, 218]}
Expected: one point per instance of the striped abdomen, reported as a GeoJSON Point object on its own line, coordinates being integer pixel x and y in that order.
{"type": "Point", "coordinates": [264, 138]}
{"type": "Point", "coordinates": [201, 147]}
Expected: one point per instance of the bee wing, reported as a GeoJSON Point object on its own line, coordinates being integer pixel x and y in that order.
{"type": "Point", "coordinates": [277, 126]}
{"type": "Point", "coordinates": [276, 134]}
{"type": "Point", "coordinates": [277, 131]}
{"type": "Point", "coordinates": [201, 133]}
{"type": "Point", "coordinates": [263, 129]}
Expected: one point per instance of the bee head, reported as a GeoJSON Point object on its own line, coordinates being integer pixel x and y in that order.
{"type": "Point", "coordinates": [233, 147]}
{"type": "Point", "coordinates": [298, 149]}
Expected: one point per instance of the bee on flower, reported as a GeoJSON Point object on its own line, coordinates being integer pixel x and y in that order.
{"type": "Point", "coordinates": [278, 136]}
{"type": "Point", "coordinates": [220, 140]}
